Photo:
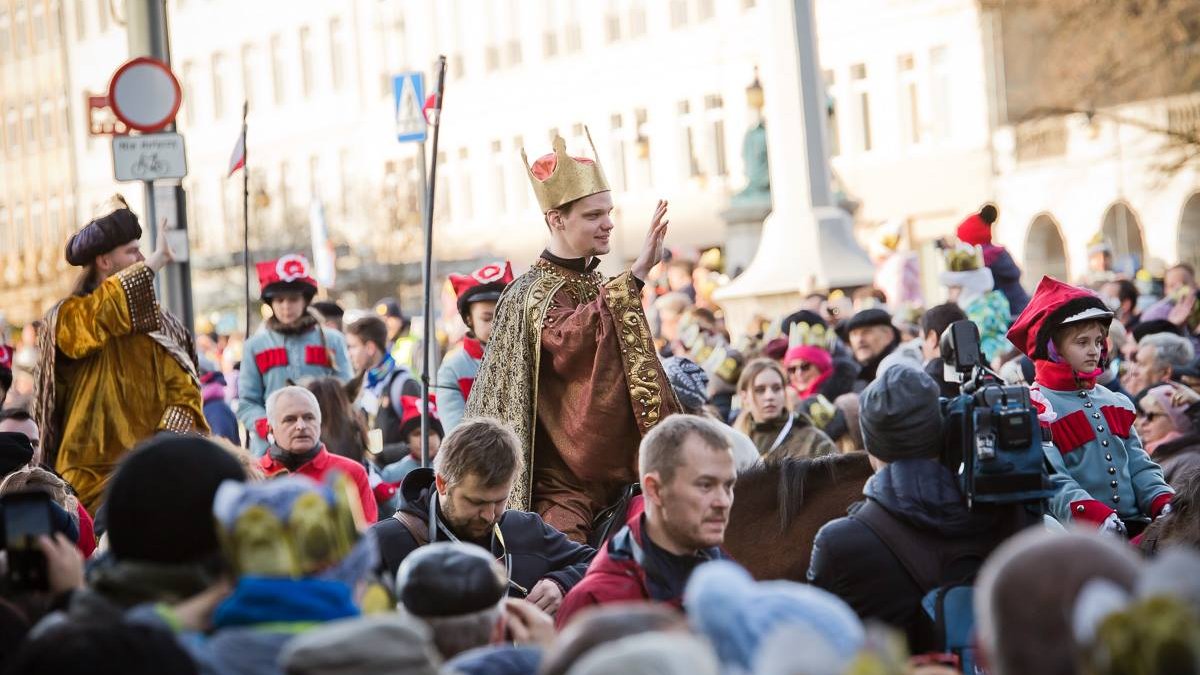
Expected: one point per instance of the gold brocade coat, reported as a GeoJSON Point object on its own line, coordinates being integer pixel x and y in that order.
{"type": "Point", "coordinates": [583, 334]}
{"type": "Point", "coordinates": [115, 369]}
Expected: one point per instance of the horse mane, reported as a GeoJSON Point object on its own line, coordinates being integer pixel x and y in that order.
{"type": "Point", "coordinates": [793, 476]}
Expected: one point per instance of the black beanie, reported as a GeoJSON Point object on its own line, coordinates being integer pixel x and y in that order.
{"type": "Point", "coordinates": [449, 579]}
{"type": "Point", "coordinates": [160, 500]}
{"type": "Point", "coordinates": [900, 415]}
{"type": "Point", "coordinates": [15, 451]}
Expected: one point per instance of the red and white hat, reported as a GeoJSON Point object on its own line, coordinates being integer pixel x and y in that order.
{"type": "Point", "coordinates": [290, 273]}
{"type": "Point", "coordinates": [410, 415]}
{"type": "Point", "coordinates": [484, 284]}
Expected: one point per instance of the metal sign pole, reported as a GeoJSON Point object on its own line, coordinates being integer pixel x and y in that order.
{"type": "Point", "coordinates": [428, 333]}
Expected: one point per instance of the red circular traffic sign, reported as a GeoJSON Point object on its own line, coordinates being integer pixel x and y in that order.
{"type": "Point", "coordinates": [144, 94]}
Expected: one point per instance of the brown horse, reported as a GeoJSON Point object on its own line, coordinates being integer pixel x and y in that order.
{"type": "Point", "coordinates": [779, 506]}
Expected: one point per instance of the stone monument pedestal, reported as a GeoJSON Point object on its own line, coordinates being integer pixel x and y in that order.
{"type": "Point", "coordinates": [743, 231]}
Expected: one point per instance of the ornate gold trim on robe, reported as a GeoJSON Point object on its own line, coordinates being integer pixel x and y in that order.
{"type": "Point", "coordinates": [506, 387]}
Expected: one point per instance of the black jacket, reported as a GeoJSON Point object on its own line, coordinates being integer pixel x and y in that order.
{"type": "Point", "coordinates": [538, 551]}
{"type": "Point", "coordinates": [852, 562]}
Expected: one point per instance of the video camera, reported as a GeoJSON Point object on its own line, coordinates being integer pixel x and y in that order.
{"type": "Point", "coordinates": [993, 440]}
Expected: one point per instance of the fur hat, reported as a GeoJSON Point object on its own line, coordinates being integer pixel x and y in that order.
{"type": "Point", "coordinates": [117, 228]}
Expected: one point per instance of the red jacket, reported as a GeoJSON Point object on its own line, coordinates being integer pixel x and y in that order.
{"type": "Point", "coordinates": [617, 573]}
{"type": "Point", "coordinates": [321, 465]}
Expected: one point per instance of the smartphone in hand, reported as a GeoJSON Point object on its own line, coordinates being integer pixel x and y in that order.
{"type": "Point", "coordinates": [27, 516]}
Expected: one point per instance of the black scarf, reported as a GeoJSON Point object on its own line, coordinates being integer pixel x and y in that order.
{"type": "Point", "coordinates": [867, 374]}
{"type": "Point", "coordinates": [292, 461]}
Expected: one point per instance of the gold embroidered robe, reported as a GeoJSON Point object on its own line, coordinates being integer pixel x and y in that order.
{"type": "Point", "coordinates": [115, 369]}
{"type": "Point", "coordinates": [572, 368]}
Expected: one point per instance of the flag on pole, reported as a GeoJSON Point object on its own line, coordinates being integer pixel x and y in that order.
{"type": "Point", "coordinates": [323, 251]}
{"type": "Point", "coordinates": [238, 159]}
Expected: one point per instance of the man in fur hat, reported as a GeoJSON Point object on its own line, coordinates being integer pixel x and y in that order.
{"type": "Point", "coordinates": [115, 367]}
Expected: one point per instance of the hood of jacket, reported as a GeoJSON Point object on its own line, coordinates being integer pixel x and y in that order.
{"type": "Point", "coordinates": [924, 494]}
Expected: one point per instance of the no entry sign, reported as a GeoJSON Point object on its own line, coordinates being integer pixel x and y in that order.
{"type": "Point", "coordinates": [144, 94]}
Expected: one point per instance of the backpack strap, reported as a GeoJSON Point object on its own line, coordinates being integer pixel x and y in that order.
{"type": "Point", "coordinates": [418, 529]}
{"type": "Point", "coordinates": [931, 562]}
{"type": "Point", "coordinates": [918, 555]}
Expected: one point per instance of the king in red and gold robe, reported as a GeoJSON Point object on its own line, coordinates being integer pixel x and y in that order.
{"type": "Point", "coordinates": [572, 368]}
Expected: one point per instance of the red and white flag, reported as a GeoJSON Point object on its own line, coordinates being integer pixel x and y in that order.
{"type": "Point", "coordinates": [238, 159]}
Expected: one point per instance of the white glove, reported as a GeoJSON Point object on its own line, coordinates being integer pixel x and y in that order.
{"type": "Point", "coordinates": [1165, 510]}
{"type": "Point", "coordinates": [1113, 524]}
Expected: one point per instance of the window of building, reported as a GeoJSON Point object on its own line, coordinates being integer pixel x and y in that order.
{"type": "Point", "coordinates": [5, 35]}
{"type": "Point", "coordinates": [441, 200]}
{"type": "Point", "coordinates": [48, 132]}
{"type": "Point", "coordinates": [643, 147]}
{"type": "Point", "coordinates": [218, 85]}
{"type": "Point", "coordinates": [187, 84]}
{"type": "Point", "coordinates": [491, 58]}
{"type": "Point", "coordinates": [249, 61]}
{"type": "Point", "coordinates": [277, 69]}
{"type": "Point", "coordinates": [550, 43]}
{"type": "Point", "coordinates": [940, 92]}
{"type": "Point", "coordinates": [858, 76]}
{"type": "Point", "coordinates": [909, 98]}
{"type": "Point", "coordinates": [463, 169]}
{"type": "Point", "coordinates": [102, 15]}
{"type": "Point", "coordinates": [38, 19]}
{"type": "Point", "coordinates": [18, 233]}
{"type": "Point", "coordinates": [574, 37]}
{"type": "Point", "coordinates": [679, 13]}
{"type": "Point", "coordinates": [337, 53]}
{"type": "Point", "coordinates": [637, 19]}
{"type": "Point", "coordinates": [30, 127]}
{"type": "Point", "coordinates": [831, 112]}
{"type": "Point", "coordinates": [498, 177]}
{"type": "Point", "coordinates": [714, 113]}
{"type": "Point", "coordinates": [344, 181]}
{"type": "Point", "coordinates": [314, 177]}
{"type": "Point", "coordinates": [306, 62]}
{"type": "Point", "coordinates": [20, 37]}
{"type": "Point", "coordinates": [80, 20]}
{"type": "Point", "coordinates": [704, 10]}
{"type": "Point", "coordinates": [14, 130]}
{"type": "Point", "coordinates": [612, 27]}
{"type": "Point", "coordinates": [690, 160]}
{"type": "Point", "coordinates": [519, 181]}
{"type": "Point", "coordinates": [616, 151]}
{"type": "Point", "coordinates": [513, 52]}
{"type": "Point", "coordinates": [748, 4]}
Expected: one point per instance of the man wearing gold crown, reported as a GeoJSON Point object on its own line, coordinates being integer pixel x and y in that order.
{"type": "Point", "coordinates": [571, 364]}
{"type": "Point", "coordinates": [115, 367]}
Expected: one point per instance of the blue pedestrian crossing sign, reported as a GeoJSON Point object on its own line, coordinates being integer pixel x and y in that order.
{"type": "Point", "coordinates": [409, 89]}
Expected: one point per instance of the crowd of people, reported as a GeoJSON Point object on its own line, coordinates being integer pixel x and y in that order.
{"type": "Point", "coordinates": [562, 501]}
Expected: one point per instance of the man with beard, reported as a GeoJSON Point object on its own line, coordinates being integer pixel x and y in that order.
{"type": "Point", "coordinates": [295, 425]}
{"type": "Point", "coordinates": [872, 336]}
{"type": "Point", "coordinates": [463, 497]}
{"type": "Point", "coordinates": [115, 367]}
{"type": "Point", "coordinates": [571, 364]}
{"type": "Point", "coordinates": [290, 346]}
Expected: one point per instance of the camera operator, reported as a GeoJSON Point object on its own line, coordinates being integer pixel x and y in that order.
{"type": "Point", "coordinates": [915, 532]}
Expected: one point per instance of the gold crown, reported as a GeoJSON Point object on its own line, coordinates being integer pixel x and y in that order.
{"type": "Point", "coordinates": [815, 335]}
{"type": "Point", "coordinates": [319, 530]}
{"type": "Point", "coordinates": [570, 179]}
{"type": "Point", "coordinates": [963, 258]}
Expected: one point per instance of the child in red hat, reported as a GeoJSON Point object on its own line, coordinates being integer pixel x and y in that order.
{"type": "Point", "coordinates": [1102, 475]}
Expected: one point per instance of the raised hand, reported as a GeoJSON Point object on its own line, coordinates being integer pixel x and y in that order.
{"type": "Point", "coordinates": [652, 248]}
{"type": "Point", "coordinates": [163, 255]}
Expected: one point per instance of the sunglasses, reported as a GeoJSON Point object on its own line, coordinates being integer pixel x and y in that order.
{"type": "Point", "coordinates": [802, 368]}
{"type": "Point", "coordinates": [1151, 416]}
